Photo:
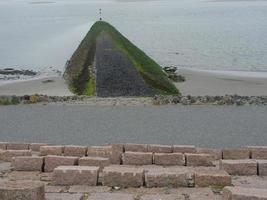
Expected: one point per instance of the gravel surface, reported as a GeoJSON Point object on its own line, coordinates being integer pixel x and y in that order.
{"type": "Point", "coordinates": [115, 73]}
{"type": "Point", "coordinates": [204, 126]}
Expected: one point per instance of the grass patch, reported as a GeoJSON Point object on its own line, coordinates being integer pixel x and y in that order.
{"type": "Point", "coordinates": [9, 101]}
{"type": "Point", "coordinates": [84, 57]}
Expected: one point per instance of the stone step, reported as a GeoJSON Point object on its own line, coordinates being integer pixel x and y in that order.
{"type": "Point", "coordinates": [168, 159]}
{"type": "Point", "coordinates": [51, 150]}
{"type": "Point", "coordinates": [74, 150]}
{"type": "Point", "coordinates": [7, 155]}
{"type": "Point", "coordinates": [207, 178]}
{"type": "Point", "coordinates": [123, 176]}
{"type": "Point", "coordinates": [136, 147]}
{"type": "Point", "coordinates": [184, 149]}
{"type": "Point", "coordinates": [240, 193]}
{"type": "Point", "coordinates": [262, 167]}
{"type": "Point", "coordinates": [75, 175]}
{"type": "Point", "coordinates": [22, 190]}
{"type": "Point", "coordinates": [258, 152]}
{"type": "Point", "coordinates": [27, 163]}
{"type": "Point", "coordinates": [17, 146]}
{"type": "Point", "coordinates": [217, 153]}
{"type": "Point", "coordinates": [236, 154]}
{"type": "Point", "coordinates": [239, 167]}
{"type": "Point", "coordinates": [199, 159]}
{"type": "Point", "coordinates": [156, 148]}
{"type": "Point", "coordinates": [94, 161]}
{"type": "Point", "coordinates": [137, 158]}
{"type": "Point", "coordinates": [100, 151]}
{"type": "Point", "coordinates": [51, 162]}
{"type": "Point", "coordinates": [36, 146]}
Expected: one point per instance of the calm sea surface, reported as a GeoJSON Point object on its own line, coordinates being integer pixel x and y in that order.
{"type": "Point", "coordinates": [222, 35]}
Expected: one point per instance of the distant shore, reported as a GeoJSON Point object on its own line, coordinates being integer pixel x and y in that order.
{"type": "Point", "coordinates": [198, 83]}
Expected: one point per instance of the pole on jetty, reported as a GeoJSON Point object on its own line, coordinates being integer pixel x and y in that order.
{"type": "Point", "coordinates": [100, 14]}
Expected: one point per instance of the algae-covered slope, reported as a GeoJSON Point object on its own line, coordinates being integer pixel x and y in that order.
{"type": "Point", "coordinates": [108, 64]}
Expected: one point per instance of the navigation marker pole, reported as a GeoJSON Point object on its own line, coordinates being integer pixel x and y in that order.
{"type": "Point", "coordinates": [100, 14]}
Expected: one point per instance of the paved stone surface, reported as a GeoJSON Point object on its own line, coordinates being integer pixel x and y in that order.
{"type": "Point", "coordinates": [51, 162]}
{"type": "Point", "coordinates": [7, 155]}
{"type": "Point", "coordinates": [74, 150]}
{"type": "Point", "coordinates": [111, 196]}
{"type": "Point", "coordinates": [137, 158]}
{"type": "Point", "coordinates": [250, 181]}
{"type": "Point", "coordinates": [195, 159]}
{"type": "Point", "coordinates": [51, 150]}
{"type": "Point", "coordinates": [206, 178]}
{"type": "Point", "coordinates": [163, 197]}
{"type": "Point", "coordinates": [18, 146]}
{"type": "Point", "coordinates": [262, 167]}
{"type": "Point", "coordinates": [155, 148]}
{"type": "Point", "coordinates": [167, 159]}
{"type": "Point", "coordinates": [136, 147]}
{"type": "Point", "coordinates": [123, 176]}
{"type": "Point", "coordinates": [239, 193]}
{"type": "Point", "coordinates": [94, 161]}
{"type": "Point", "coordinates": [22, 190]}
{"type": "Point", "coordinates": [75, 175]}
{"type": "Point", "coordinates": [184, 149]}
{"type": "Point", "coordinates": [63, 196]}
{"type": "Point", "coordinates": [239, 167]}
{"type": "Point", "coordinates": [217, 153]}
{"type": "Point", "coordinates": [258, 152]}
{"type": "Point", "coordinates": [237, 154]}
{"type": "Point", "coordinates": [27, 163]}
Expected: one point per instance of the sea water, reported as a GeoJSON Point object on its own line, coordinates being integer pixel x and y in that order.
{"type": "Point", "coordinates": [198, 34]}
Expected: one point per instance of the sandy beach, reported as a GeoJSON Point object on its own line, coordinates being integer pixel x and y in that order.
{"type": "Point", "coordinates": [198, 83]}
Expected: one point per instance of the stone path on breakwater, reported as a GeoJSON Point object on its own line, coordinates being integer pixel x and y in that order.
{"type": "Point", "coordinates": [115, 73]}
{"type": "Point", "coordinates": [132, 171]}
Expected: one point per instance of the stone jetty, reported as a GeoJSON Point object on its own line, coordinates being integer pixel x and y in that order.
{"type": "Point", "coordinates": [36, 171]}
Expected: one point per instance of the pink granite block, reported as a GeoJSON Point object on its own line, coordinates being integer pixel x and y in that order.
{"type": "Point", "coordinates": [73, 150]}
{"type": "Point", "coordinates": [27, 163]}
{"type": "Point", "coordinates": [242, 193]}
{"type": "Point", "coordinates": [197, 159]}
{"type": "Point", "coordinates": [236, 154]}
{"type": "Point", "coordinates": [258, 152]}
{"type": "Point", "coordinates": [75, 175]}
{"type": "Point", "coordinates": [7, 155]}
{"type": "Point", "coordinates": [94, 161]}
{"type": "Point", "coordinates": [100, 151]}
{"type": "Point", "coordinates": [137, 158]}
{"type": "Point", "coordinates": [136, 147]}
{"type": "Point", "coordinates": [184, 149]}
{"type": "Point", "coordinates": [51, 150]}
{"type": "Point", "coordinates": [239, 167]}
{"type": "Point", "coordinates": [262, 167]}
{"type": "Point", "coordinates": [22, 190]}
{"type": "Point", "coordinates": [36, 146]}
{"type": "Point", "coordinates": [155, 148]}
{"type": "Point", "coordinates": [167, 159]}
{"type": "Point", "coordinates": [116, 155]}
{"type": "Point", "coordinates": [18, 146]}
{"type": "Point", "coordinates": [51, 162]}
{"type": "Point", "coordinates": [206, 178]}
{"type": "Point", "coordinates": [216, 153]}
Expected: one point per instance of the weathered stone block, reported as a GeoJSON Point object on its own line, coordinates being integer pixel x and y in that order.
{"type": "Point", "coordinates": [111, 196]}
{"type": "Point", "coordinates": [184, 149]}
{"type": "Point", "coordinates": [3, 145]}
{"type": "Point", "coordinates": [123, 176]}
{"type": "Point", "coordinates": [167, 159]}
{"type": "Point", "coordinates": [73, 150]}
{"type": "Point", "coordinates": [7, 155]}
{"type": "Point", "coordinates": [51, 150]}
{"type": "Point", "coordinates": [18, 146]}
{"type": "Point", "coordinates": [116, 155]}
{"type": "Point", "coordinates": [155, 148]}
{"type": "Point", "coordinates": [137, 158]}
{"type": "Point", "coordinates": [94, 161]}
{"type": "Point", "coordinates": [51, 162]}
{"type": "Point", "coordinates": [63, 196]}
{"type": "Point", "coordinates": [167, 178]}
{"type": "Point", "coordinates": [216, 153]}
{"type": "Point", "coordinates": [36, 146]}
{"type": "Point", "coordinates": [22, 190]}
{"type": "Point", "coordinates": [201, 159]}
{"type": "Point", "coordinates": [100, 151]}
{"type": "Point", "coordinates": [206, 178]}
{"type": "Point", "coordinates": [258, 152]}
{"type": "Point", "coordinates": [75, 175]}
{"type": "Point", "coordinates": [27, 163]}
{"type": "Point", "coordinates": [239, 167]}
{"type": "Point", "coordinates": [240, 193]}
{"type": "Point", "coordinates": [235, 154]}
{"type": "Point", "coordinates": [162, 197]}
{"type": "Point", "coordinates": [135, 147]}
{"type": "Point", "coordinates": [262, 167]}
